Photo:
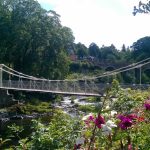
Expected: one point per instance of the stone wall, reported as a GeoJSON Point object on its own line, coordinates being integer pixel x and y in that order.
{"type": "Point", "coordinates": [6, 99]}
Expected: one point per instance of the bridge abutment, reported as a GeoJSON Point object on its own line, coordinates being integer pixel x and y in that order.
{"type": "Point", "coordinates": [6, 99]}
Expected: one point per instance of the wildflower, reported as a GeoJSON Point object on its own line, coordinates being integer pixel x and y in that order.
{"type": "Point", "coordinates": [121, 117]}
{"type": "Point", "coordinates": [113, 112]}
{"type": "Point", "coordinates": [140, 119]}
{"type": "Point", "coordinates": [79, 142]}
{"type": "Point", "coordinates": [107, 107]}
{"type": "Point", "coordinates": [111, 124]}
{"type": "Point", "coordinates": [90, 116]}
{"type": "Point", "coordinates": [147, 104]}
{"type": "Point", "coordinates": [107, 128]}
{"type": "Point", "coordinates": [129, 147]}
{"type": "Point", "coordinates": [125, 123]}
{"type": "Point", "coordinates": [88, 119]}
{"type": "Point", "coordinates": [132, 116]}
{"type": "Point", "coordinates": [99, 121]}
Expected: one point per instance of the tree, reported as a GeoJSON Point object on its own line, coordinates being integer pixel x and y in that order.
{"type": "Point", "coordinates": [94, 50]}
{"type": "Point", "coordinates": [141, 48]}
{"type": "Point", "coordinates": [123, 48]}
{"type": "Point", "coordinates": [32, 40]}
{"type": "Point", "coordinates": [82, 50]}
{"type": "Point", "coordinates": [110, 53]}
{"type": "Point", "coordinates": [142, 8]}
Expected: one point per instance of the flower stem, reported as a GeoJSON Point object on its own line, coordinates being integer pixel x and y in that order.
{"type": "Point", "coordinates": [93, 133]}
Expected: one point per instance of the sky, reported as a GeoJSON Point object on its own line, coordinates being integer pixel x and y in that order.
{"type": "Point", "coordinates": [103, 22]}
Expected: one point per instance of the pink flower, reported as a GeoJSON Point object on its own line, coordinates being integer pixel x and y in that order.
{"type": "Point", "coordinates": [91, 118]}
{"type": "Point", "coordinates": [88, 119]}
{"type": "Point", "coordinates": [147, 105]}
{"type": "Point", "coordinates": [99, 121]}
{"type": "Point", "coordinates": [121, 117]}
{"type": "Point", "coordinates": [126, 121]}
{"type": "Point", "coordinates": [132, 116]}
{"type": "Point", "coordinates": [129, 147]}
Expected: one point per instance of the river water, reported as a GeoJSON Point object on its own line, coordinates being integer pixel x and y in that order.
{"type": "Point", "coordinates": [68, 105]}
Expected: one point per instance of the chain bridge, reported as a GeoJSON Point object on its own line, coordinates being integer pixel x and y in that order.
{"type": "Point", "coordinates": [89, 86]}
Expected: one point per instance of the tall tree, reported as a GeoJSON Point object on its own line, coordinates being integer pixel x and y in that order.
{"type": "Point", "coordinates": [94, 50]}
{"type": "Point", "coordinates": [123, 48]}
{"type": "Point", "coordinates": [82, 50]}
{"type": "Point", "coordinates": [110, 53]}
{"type": "Point", "coordinates": [141, 48]}
{"type": "Point", "coordinates": [33, 40]}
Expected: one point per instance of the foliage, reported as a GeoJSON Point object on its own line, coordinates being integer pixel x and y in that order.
{"type": "Point", "coordinates": [120, 124]}
{"type": "Point", "coordinates": [142, 8]}
{"type": "Point", "coordinates": [28, 32]}
{"type": "Point", "coordinates": [60, 133]}
{"type": "Point", "coordinates": [81, 50]}
{"type": "Point", "coordinates": [15, 131]}
{"type": "Point", "coordinates": [121, 121]}
{"type": "Point", "coordinates": [141, 48]}
{"type": "Point", "coordinates": [94, 50]}
{"type": "Point", "coordinates": [88, 108]}
{"type": "Point", "coordinates": [3, 142]}
{"type": "Point", "coordinates": [29, 108]}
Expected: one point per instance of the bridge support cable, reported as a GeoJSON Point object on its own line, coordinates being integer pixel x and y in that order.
{"type": "Point", "coordinates": [134, 76]}
{"type": "Point", "coordinates": [49, 85]}
{"type": "Point", "coordinates": [85, 83]}
{"type": "Point", "coordinates": [1, 76]}
{"type": "Point", "coordinates": [140, 75]}
{"type": "Point", "coordinates": [74, 87]}
{"type": "Point", "coordinates": [85, 86]}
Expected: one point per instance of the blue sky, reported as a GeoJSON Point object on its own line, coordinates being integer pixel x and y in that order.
{"type": "Point", "coordinates": [104, 22]}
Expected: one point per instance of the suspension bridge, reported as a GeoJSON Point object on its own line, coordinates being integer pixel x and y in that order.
{"type": "Point", "coordinates": [11, 79]}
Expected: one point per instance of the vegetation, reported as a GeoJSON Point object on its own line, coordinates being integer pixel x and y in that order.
{"type": "Point", "coordinates": [29, 32]}
{"type": "Point", "coordinates": [143, 7]}
{"type": "Point", "coordinates": [34, 41]}
{"type": "Point", "coordinates": [118, 123]}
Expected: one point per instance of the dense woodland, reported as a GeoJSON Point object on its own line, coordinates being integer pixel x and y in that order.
{"type": "Point", "coordinates": [33, 41]}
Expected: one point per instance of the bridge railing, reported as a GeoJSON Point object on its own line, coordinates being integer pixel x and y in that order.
{"type": "Point", "coordinates": [72, 87]}
{"type": "Point", "coordinates": [55, 86]}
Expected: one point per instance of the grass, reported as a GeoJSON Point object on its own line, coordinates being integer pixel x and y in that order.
{"type": "Point", "coordinates": [29, 108]}
{"type": "Point", "coordinates": [88, 108]}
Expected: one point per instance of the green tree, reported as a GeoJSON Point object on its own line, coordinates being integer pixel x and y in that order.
{"type": "Point", "coordinates": [110, 53]}
{"type": "Point", "coordinates": [94, 50]}
{"type": "Point", "coordinates": [82, 50]}
{"type": "Point", "coordinates": [142, 8]}
{"type": "Point", "coordinates": [33, 40]}
{"type": "Point", "coordinates": [141, 48]}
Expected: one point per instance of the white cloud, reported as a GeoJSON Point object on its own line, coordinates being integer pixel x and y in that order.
{"type": "Point", "coordinates": [102, 21]}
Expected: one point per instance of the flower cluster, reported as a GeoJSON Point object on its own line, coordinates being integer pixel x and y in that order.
{"type": "Point", "coordinates": [147, 104]}
{"type": "Point", "coordinates": [88, 119]}
{"type": "Point", "coordinates": [107, 128]}
{"type": "Point", "coordinates": [126, 121]}
{"type": "Point", "coordinates": [99, 121]}
{"type": "Point", "coordinates": [105, 123]}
